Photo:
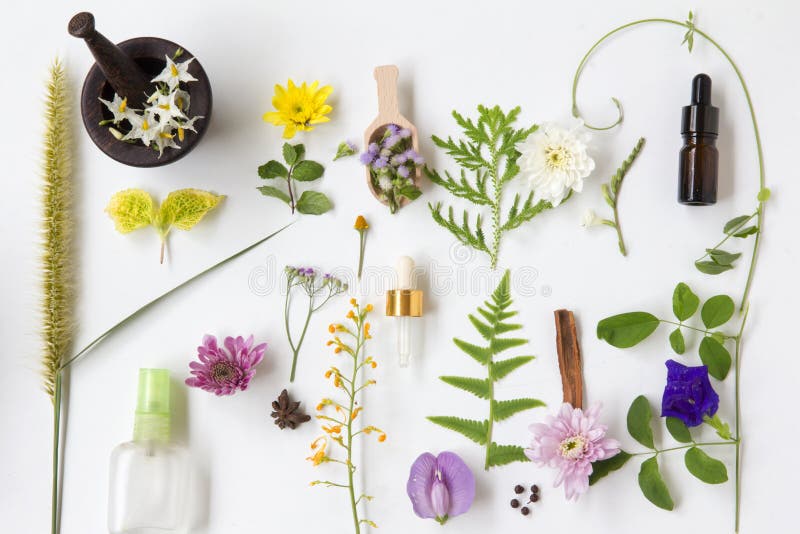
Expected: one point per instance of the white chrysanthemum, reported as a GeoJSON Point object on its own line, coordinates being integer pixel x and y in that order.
{"type": "Point", "coordinates": [555, 161]}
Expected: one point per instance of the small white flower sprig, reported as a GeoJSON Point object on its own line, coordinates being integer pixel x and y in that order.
{"type": "Point", "coordinates": [611, 195]}
{"type": "Point", "coordinates": [164, 116]}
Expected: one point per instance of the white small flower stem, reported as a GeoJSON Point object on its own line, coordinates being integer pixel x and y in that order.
{"type": "Point", "coordinates": [622, 249]}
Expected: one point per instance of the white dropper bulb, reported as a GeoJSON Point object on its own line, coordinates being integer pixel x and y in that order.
{"type": "Point", "coordinates": [405, 269]}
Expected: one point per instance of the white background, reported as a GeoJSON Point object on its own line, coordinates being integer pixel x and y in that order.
{"type": "Point", "coordinates": [450, 56]}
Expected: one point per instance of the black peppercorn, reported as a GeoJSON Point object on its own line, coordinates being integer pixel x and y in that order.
{"type": "Point", "coordinates": [518, 489]}
{"type": "Point", "coordinates": [514, 503]}
{"type": "Point", "coordinates": [534, 497]}
{"type": "Point", "coordinates": [534, 489]}
{"type": "Point", "coordinates": [524, 510]}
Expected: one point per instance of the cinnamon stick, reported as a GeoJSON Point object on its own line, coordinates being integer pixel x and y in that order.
{"type": "Point", "coordinates": [569, 358]}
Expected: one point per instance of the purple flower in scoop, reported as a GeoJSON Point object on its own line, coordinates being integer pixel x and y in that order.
{"type": "Point", "coordinates": [224, 371]}
{"type": "Point", "coordinates": [688, 394]}
{"type": "Point", "coordinates": [440, 487]}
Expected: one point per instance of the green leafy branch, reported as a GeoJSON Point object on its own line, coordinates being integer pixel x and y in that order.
{"type": "Point", "coordinates": [489, 152]}
{"type": "Point", "coordinates": [629, 329]}
{"type": "Point", "coordinates": [297, 169]}
{"type": "Point", "coordinates": [491, 326]}
{"type": "Point", "coordinates": [612, 189]}
{"type": "Point", "coordinates": [698, 462]}
{"type": "Point", "coordinates": [720, 260]}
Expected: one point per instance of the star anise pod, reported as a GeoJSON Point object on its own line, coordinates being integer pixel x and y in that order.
{"type": "Point", "coordinates": [286, 413]}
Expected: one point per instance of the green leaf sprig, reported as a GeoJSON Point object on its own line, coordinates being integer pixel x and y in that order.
{"type": "Point", "coordinates": [612, 189]}
{"type": "Point", "coordinates": [490, 327]}
{"type": "Point", "coordinates": [489, 152]}
{"type": "Point", "coordinates": [132, 209]}
{"type": "Point", "coordinates": [698, 462]}
{"type": "Point", "coordinates": [629, 329]}
{"type": "Point", "coordinates": [716, 260]}
{"type": "Point", "coordinates": [297, 169]}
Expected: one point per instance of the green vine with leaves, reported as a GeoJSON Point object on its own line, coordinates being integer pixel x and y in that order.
{"type": "Point", "coordinates": [712, 350]}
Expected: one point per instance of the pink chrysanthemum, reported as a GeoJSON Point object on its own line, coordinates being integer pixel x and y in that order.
{"type": "Point", "coordinates": [222, 371]}
{"type": "Point", "coordinates": [570, 442]}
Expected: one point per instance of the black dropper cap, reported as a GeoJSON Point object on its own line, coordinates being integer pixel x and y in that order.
{"type": "Point", "coordinates": [700, 118]}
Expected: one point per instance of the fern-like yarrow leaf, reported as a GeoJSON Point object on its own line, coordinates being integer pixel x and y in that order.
{"type": "Point", "coordinates": [490, 327]}
{"type": "Point", "coordinates": [488, 150]}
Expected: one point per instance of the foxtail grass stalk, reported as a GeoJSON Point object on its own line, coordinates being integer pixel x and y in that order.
{"type": "Point", "coordinates": [56, 257]}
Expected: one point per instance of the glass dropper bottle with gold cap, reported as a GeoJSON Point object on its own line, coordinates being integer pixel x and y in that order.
{"type": "Point", "coordinates": [150, 476]}
{"type": "Point", "coordinates": [404, 302]}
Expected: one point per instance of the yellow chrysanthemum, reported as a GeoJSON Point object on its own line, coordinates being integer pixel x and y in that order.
{"type": "Point", "coordinates": [299, 108]}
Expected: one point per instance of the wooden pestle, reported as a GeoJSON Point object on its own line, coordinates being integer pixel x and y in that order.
{"type": "Point", "coordinates": [123, 73]}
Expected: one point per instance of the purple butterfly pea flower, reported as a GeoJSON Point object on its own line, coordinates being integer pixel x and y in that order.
{"type": "Point", "coordinates": [688, 394]}
{"type": "Point", "coordinates": [440, 487]}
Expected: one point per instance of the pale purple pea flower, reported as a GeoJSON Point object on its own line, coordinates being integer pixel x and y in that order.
{"type": "Point", "coordinates": [440, 487]}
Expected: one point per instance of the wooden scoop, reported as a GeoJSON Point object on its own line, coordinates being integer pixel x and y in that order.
{"type": "Point", "coordinates": [388, 113]}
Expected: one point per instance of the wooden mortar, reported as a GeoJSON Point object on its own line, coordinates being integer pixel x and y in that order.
{"type": "Point", "coordinates": [126, 69]}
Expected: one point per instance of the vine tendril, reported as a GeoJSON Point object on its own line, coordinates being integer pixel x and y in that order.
{"type": "Point", "coordinates": [759, 212]}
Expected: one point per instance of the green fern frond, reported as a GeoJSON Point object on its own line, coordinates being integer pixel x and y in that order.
{"type": "Point", "coordinates": [476, 386]}
{"type": "Point", "coordinates": [504, 367]}
{"type": "Point", "coordinates": [491, 327]}
{"type": "Point", "coordinates": [56, 257]}
{"type": "Point", "coordinates": [505, 454]}
{"type": "Point", "coordinates": [474, 430]}
{"type": "Point", "coordinates": [505, 409]}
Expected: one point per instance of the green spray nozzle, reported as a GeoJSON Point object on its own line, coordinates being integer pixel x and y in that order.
{"type": "Point", "coordinates": [152, 407]}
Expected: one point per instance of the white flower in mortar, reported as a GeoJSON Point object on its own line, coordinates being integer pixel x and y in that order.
{"type": "Point", "coordinates": [555, 161]}
{"type": "Point", "coordinates": [175, 73]}
{"type": "Point", "coordinates": [118, 106]}
{"type": "Point", "coordinates": [143, 127]}
{"type": "Point", "coordinates": [166, 107]}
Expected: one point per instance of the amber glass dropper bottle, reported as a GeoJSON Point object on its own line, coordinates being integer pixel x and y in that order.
{"type": "Point", "coordinates": [699, 158]}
